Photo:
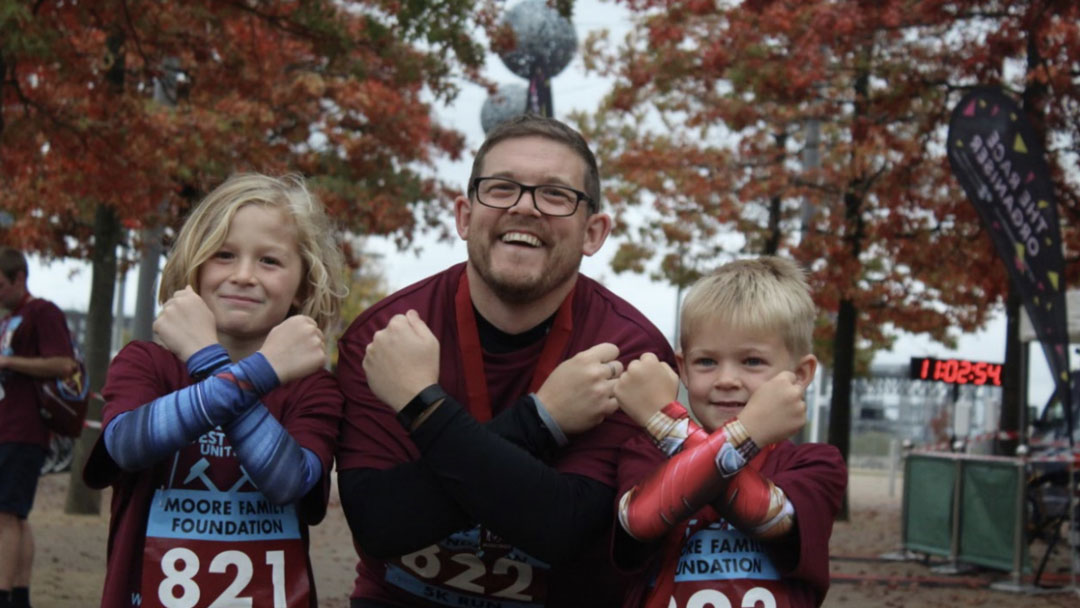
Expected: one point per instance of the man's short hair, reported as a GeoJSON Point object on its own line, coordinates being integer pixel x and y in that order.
{"type": "Point", "coordinates": [535, 125]}
{"type": "Point", "coordinates": [763, 294]}
{"type": "Point", "coordinates": [12, 261]}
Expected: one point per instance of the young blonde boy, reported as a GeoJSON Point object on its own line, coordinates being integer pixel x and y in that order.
{"type": "Point", "coordinates": [744, 515]}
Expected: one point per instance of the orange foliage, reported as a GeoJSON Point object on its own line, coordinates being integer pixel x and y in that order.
{"type": "Point", "coordinates": [706, 129]}
{"type": "Point", "coordinates": [341, 93]}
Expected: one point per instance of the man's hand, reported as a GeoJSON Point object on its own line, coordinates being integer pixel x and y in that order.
{"type": "Point", "coordinates": [775, 411]}
{"type": "Point", "coordinates": [185, 324]}
{"type": "Point", "coordinates": [646, 387]}
{"type": "Point", "coordinates": [578, 393]}
{"type": "Point", "coordinates": [295, 348]}
{"type": "Point", "coordinates": [402, 360]}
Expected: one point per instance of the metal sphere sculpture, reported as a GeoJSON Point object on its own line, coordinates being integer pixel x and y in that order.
{"type": "Point", "coordinates": [507, 101]}
{"type": "Point", "coordinates": [546, 40]}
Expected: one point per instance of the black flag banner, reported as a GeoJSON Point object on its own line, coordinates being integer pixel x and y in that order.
{"type": "Point", "coordinates": [998, 159]}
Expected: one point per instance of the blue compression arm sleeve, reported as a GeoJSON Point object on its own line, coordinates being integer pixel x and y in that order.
{"type": "Point", "coordinates": [207, 360]}
{"type": "Point", "coordinates": [281, 469]}
{"type": "Point", "coordinates": [139, 438]}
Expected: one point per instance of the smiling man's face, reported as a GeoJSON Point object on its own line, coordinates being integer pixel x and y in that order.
{"type": "Point", "coordinates": [521, 254]}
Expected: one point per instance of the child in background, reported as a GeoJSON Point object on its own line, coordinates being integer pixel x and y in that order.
{"type": "Point", "coordinates": [218, 437]}
{"type": "Point", "coordinates": [744, 514]}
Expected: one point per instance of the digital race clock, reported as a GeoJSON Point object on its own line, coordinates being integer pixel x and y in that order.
{"type": "Point", "coordinates": [956, 371]}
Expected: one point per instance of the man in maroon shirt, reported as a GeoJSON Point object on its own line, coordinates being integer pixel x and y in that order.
{"type": "Point", "coordinates": [477, 460]}
{"type": "Point", "coordinates": [34, 343]}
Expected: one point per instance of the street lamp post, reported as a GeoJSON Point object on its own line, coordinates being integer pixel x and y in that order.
{"type": "Point", "coordinates": [546, 42]}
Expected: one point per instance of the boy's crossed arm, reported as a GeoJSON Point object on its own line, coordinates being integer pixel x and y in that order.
{"type": "Point", "coordinates": [707, 468]}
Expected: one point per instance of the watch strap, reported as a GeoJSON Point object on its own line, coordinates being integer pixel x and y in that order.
{"type": "Point", "coordinates": [419, 404]}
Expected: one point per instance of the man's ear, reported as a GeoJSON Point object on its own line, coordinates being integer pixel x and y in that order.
{"type": "Point", "coordinates": [462, 214]}
{"type": "Point", "coordinates": [805, 369]}
{"type": "Point", "coordinates": [597, 229]}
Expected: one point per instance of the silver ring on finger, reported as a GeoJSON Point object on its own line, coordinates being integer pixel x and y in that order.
{"type": "Point", "coordinates": [614, 370]}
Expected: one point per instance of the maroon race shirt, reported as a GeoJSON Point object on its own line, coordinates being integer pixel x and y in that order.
{"type": "Point", "coordinates": [707, 561]}
{"type": "Point", "coordinates": [457, 571]}
{"type": "Point", "coordinates": [193, 529]}
{"type": "Point", "coordinates": [36, 328]}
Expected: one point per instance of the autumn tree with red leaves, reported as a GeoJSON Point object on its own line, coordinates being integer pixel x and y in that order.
{"type": "Point", "coordinates": [341, 92]}
{"type": "Point", "coordinates": [814, 129]}
{"type": "Point", "coordinates": [1032, 49]}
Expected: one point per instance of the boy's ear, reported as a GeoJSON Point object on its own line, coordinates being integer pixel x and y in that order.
{"type": "Point", "coordinates": [805, 369]}
{"type": "Point", "coordinates": [680, 362]}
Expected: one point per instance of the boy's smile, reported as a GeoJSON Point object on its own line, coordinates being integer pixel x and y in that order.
{"type": "Point", "coordinates": [254, 278]}
{"type": "Point", "coordinates": [723, 366]}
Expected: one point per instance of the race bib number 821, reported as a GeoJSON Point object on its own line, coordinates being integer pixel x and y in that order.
{"type": "Point", "coordinates": [218, 550]}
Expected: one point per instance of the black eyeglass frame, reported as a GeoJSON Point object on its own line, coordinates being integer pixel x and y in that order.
{"type": "Point", "coordinates": [581, 196]}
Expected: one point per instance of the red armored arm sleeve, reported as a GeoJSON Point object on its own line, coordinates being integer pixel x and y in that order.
{"type": "Point", "coordinates": [705, 468]}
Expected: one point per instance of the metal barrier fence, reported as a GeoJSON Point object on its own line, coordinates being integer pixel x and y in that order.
{"type": "Point", "coordinates": [977, 510]}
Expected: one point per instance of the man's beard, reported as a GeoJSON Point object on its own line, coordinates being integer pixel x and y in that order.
{"type": "Point", "coordinates": [521, 291]}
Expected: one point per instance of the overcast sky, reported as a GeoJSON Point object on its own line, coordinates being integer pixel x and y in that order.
{"type": "Point", "coordinates": [68, 283]}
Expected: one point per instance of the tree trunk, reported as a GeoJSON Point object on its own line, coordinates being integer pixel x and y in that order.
{"type": "Point", "coordinates": [847, 315]}
{"type": "Point", "coordinates": [145, 294]}
{"type": "Point", "coordinates": [150, 260]}
{"type": "Point", "coordinates": [80, 498]}
{"type": "Point", "coordinates": [843, 373]}
{"type": "Point", "coordinates": [844, 343]}
{"type": "Point", "coordinates": [772, 242]}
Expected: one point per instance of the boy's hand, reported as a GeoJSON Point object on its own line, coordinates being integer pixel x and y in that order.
{"type": "Point", "coordinates": [402, 360]}
{"type": "Point", "coordinates": [185, 324]}
{"type": "Point", "coordinates": [646, 386]}
{"type": "Point", "coordinates": [295, 348]}
{"type": "Point", "coordinates": [776, 410]}
{"type": "Point", "coordinates": [578, 393]}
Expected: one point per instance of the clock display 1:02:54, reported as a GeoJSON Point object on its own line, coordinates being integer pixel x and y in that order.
{"type": "Point", "coordinates": [956, 371]}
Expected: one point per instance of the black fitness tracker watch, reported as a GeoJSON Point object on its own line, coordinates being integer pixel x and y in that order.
{"type": "Point", "coordinates": [421, 402]}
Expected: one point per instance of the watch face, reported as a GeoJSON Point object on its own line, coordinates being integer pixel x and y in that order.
{"type": "Point", "coordinates": [419, 404]}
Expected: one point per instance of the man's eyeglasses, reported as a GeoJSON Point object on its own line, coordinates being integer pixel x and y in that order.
{"type": "Point", "coordinates": [502, 193]}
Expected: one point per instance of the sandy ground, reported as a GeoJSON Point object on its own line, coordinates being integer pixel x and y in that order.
{"type": "Point", "coordinates": [70, 560]}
